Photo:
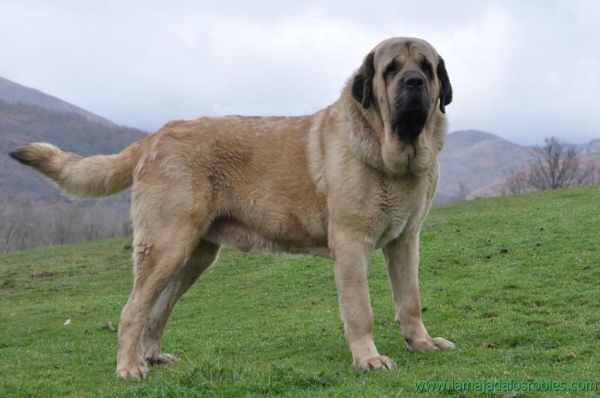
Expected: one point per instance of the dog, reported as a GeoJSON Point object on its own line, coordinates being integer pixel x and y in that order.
{"type": "Point", "coordinates": [354, 177]}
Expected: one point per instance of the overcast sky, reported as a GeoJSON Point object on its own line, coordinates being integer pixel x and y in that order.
{"type": "Point", "coordinates": [523, 70]}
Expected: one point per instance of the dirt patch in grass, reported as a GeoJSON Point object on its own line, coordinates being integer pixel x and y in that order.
{"type": "Point", "coordinates": [42, 275]}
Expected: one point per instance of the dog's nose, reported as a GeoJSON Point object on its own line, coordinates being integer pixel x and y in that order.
{"type": "Point", "coordinates": [413, 81]}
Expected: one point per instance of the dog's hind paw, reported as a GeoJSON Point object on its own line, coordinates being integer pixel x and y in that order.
{"type": "Point", "coordinates": [429, 344]}
{"type": "Point", "coordinates": [161, 359]}
{"type": "Point", "coordinates": [377, 362]}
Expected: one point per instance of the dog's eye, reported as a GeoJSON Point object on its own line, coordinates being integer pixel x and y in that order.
{"type": "Point", "coordinates": [391, 70]}
{"type": "Point", "coordinates": [426, 67]}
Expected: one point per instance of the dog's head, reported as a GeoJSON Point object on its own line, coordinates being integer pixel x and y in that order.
{"type": "Point", "coordinates": [403, 82]}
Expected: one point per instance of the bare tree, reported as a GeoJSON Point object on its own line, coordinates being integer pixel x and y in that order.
{"type": "Point", "coordinates": [557, 164]}
{"type": "Point", "coordinates": [554, 165]}
{"type": "Point", "coordinates": [594, 172]}
{"type": "Point", "coordinates": [463, 190]}
{"type": "Point", "coordinates": [7, 227]}
{"type": "Point", "coordinates": [590, 173]}
{"type": "Point", "coordinates": [515, 182]}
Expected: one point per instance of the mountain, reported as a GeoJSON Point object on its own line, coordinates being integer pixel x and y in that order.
{"type": "Point", "coordinates": [591, 148]}
{"type": "Point", "coordinates": [473, 159]}
{"type": "Point", "coordinates": [12, 92]}
{"type": "Point", "coordinates": [58, 122]}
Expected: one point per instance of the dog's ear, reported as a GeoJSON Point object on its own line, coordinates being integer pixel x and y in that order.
{"type": "Point", "coordinates": [362, 86]}
{"type": "Point", "coordinates": [445, 86]}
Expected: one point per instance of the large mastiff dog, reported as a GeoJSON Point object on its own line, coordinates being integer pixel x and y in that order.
{"type": "Point", "coordinates": [354, 177]}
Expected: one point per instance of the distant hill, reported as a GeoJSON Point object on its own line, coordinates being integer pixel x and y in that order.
{"type": "Point", "coordinates": [12, 92]}
{"type": "Point", "coordinates": [28, 115]}
{"type": "Point", "coordinates": [481, 161]}
{"type": "Point", "coordinates": [591, 148]}
{"type": "Point", "coordinates": [476, 159]}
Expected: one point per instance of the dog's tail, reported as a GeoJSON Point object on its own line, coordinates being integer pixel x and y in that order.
{"type": "Point", "coordinates": [91, 177]}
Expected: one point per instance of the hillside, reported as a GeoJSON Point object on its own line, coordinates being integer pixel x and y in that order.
{"type": "Point", "coordinates": [22, 123]}
{"type": "Point", "coordinates": [476, 159]}
{"type": "Point", "coordinates": [33, 211]}
{"type": "Point", "coordinates": [513, 281]}
{"type": "Point", "coordinates": [13, 93]}
{"type": "Point", "coordinates": [591, 148]}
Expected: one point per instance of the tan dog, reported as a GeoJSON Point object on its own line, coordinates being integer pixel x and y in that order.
{"type": "Point", "coordinates": [356, 176]}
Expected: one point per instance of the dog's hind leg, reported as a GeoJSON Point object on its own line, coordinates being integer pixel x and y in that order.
{"type": "Point", "coordinates": [165, 237]}
{"type": "Point", "coordinates": [203, 256]}
{"type": "Point", "coordinates": [157, 260]}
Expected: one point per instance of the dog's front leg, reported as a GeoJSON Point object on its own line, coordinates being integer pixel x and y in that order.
{"type": "Point", "coordinates": [351, 262]}
{"type": "Point", "coordinates": [402, 263]}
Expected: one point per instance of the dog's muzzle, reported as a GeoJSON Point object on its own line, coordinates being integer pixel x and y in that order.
{"type": "Point", "coordinates": [411, 107]}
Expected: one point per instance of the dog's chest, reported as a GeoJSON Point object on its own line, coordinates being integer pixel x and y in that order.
{"type": "Point", "coordinates": [401, 203]}
{"type": "Point", "coordinates": [395, 223]}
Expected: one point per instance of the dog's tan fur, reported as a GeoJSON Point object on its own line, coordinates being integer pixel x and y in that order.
{"type": "Point", "coordinates": [338, 183]}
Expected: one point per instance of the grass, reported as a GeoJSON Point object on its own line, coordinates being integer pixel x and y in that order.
{"type": "Point", "coordinates": [513, 281]}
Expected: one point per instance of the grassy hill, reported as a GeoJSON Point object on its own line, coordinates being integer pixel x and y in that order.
{"type": "Point", "coordinates": [513, 281]}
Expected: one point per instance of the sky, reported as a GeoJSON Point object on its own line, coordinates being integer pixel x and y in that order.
{"type": "Point", "coordinates": [523, 70]}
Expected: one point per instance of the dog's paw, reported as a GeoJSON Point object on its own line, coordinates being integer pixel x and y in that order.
{"type": "Point", "coordinates": [134, 372]}
{"type": "Point", "coordinates": [378, 362]}
{"type": "Point", "coordinates": [429, 344]}
{"type": "Point", "coordinates": [161, 359]}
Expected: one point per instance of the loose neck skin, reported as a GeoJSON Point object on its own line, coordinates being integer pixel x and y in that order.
{"type": "Point", "coordinates": [372, 141]}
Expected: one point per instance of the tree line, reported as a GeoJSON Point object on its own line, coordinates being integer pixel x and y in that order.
{"type": "Point", "coordinates": [27, 224]}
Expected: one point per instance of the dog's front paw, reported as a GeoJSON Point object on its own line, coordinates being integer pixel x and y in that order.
{"type": "Point", "coordinates": [377, 362]}
{"type": "Point", "coordinates": [429, 344]}
{"type": "Point", "coordinates": [134, 372]}
{"type": "Point", "coordinates": [161, 359]}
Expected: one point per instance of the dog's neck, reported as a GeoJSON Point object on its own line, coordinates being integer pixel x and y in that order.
{"type": "Point", "coordinates": [367, 141]}
{"type": "Point", "coordinates": [364, 141]}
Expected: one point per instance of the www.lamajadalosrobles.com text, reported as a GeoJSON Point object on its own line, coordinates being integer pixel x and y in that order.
{"type": "Point", "coordinates": [505, 385]}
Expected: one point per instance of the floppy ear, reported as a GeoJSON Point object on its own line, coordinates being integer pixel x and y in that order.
{"type": "Point", "coordinates": [445, 86]}
{"type": "Point", "coordinates": [362, 86]}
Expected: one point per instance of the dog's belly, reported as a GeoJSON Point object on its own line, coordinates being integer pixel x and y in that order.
{"type": "Point", "coordinates": [229, 231]}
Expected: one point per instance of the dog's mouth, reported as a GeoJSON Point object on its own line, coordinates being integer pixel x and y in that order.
{"type": "Point", "coordinates": [410, 112]}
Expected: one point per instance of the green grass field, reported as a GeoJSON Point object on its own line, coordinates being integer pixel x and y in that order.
{"type": "Point", "coordinates": [513, 281]}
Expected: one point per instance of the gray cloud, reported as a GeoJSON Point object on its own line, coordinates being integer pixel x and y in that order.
{"type": "Point", "coordinates": [522, 70]}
